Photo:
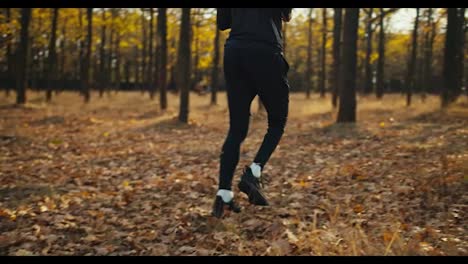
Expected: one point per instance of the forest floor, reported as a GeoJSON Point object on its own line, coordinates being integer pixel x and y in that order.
{"type": "Point", "coordinates": [120, 177]}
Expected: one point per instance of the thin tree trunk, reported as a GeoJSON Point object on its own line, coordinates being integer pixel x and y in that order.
{"type": "Point", "coordinates": [22, 61]}
{"type": "Point", "coordinates": [381, 60]}
{"type": "Point", "coordinates": [52, 60]}
{"type": "Point", "coordinates": [10, 58]}
{"type": "Point", "coordinates": [150, 51]}
{"type": "Point", "coordinates": [449, 58]}
{"type": "Point", "coordinates": [323, 53]}
{"type": "Point", "coordinates": [308, 72]}
{"type": "Point", "coordinates": [110, 54]}
{"type": "Point", "coordinates": [144, 50]}
{"type": "Point", "coordinates": [347, 108]}
{"type": "Point", "coordinates": [136, 67]}
{"type": "Point", "coordinates": [215, 69]}
{"type": "Point", "coordinates": [127, 66]}
{"type": "Point", "coordinates": [428, 48]}
{"type": "Point", "coordinates": [62, 57]}
{"type": "Point", "coordinates": [87, 61]}
{"type": "Point", "coordinates": [452, 56]}
{"type": "Point", "coordinates": [80, 68]}
{"type": "Point", "coordinates": [102, 54]}
{"type": "Point", "coordinates": [368, 87]}
{"type": "Point", "coordinates": [410, 79]}
{"type": "Point", "coordinates": [336, 54]}
{"type": "Point", "coordinates": [196, 58]}
{"type": "Point", "coordinates": [162, 31]}
{"type": "Point", "coordinates": [461, 50]}
{"type": "Point", "coordinates": [117, 61]}
{"type": "Point", "coordinates": [183, 63]}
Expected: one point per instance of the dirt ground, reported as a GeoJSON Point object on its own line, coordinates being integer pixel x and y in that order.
{"type": "Point", "coordinates": [120, 177]}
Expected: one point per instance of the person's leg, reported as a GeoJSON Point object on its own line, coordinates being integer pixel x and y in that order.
{"type": "Point", "coordinates": [269, 72]}
{"type": "Point", "coordinates": [240, 97]}
{"type": "Point", "coordinates": [274, 93]}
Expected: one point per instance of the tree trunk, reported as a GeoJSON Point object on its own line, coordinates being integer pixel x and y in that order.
{"type": "Point", "coordinates": [22, 61]}
{"type": "Point", "coordinates": [62, 57]}
{"type": "Point", "coordinates": [136, 67]}
{"type": "Point", "coordinates": [87, 60]}
{"type": "Point", "coordinates": [347, 98]}
{"type": "Point", "coordinates": [81, 48]}
{"type": "Point", "coordinates": [110, 54]}
{"type": "Point", "coordinates": [428, 48]}
{"type": "Point", "coordinates": [127, 72]}
{"type": "Point", "coordinates": [323, 53]}
{"type": "Point", "coordinates": [10, 58]}
{"type": "Point", "coordinates": [150, 53]}
{"type": "Point", "coordinates": [102, 54]}
{"type": "Point", "coordinates": [381, 61]}
{"type": "Point", "coordinates": [117, 61]}
{"type": "Point", "coordinates": [368, 86]}
{"type": "Point", "coordinates": [196, 58]}
{"type": "Point", "coordinates": [461, 48]}
{"type": "Point", "coordinates": [215, 69]}
{"type": "Point", "coordinates": [308, 72]}
{"type": "Point", "coordinates": [336, 54]}
{"type": "Point", "coordinates": [410, 78]}
{"type": "Point", "coordinates": [183, 65]}
{"type": "Point", "coordinates": [52, 59]}
{"type": "Point", "coordinates": [451, 88]}
{"type": "Point", "coordinates": [143, 52]}
{"type": "Point", "coordinates": [162, 31]}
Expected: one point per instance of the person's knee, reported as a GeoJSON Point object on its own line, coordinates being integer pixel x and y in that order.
{"type": "Point", "coordinates": [277, 123]}
{"type": "Point", "coordinates": [237, 136]}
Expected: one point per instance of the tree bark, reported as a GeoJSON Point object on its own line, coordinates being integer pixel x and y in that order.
{"type": "Point", "coordinates": [368, 86]}
{"type": "Point", "coordinates": [10, 57]}
{"type": "Point", "coordinates": [461, 48]}
{"type": "Point", "coordinates": [452, 54]}
{"type": "Point", "coordinates": [52, 59]}
{"type": "Point", "coordinates": [144, 50]}
{"type": "Point", "coordinates": [162, 31]}
{"type": "Point", "coordinates": [381, 60]}
{"type": "Point", "coordinates": [22, 61]}
{"type": "Point", "coordinates": [150, 55]}
{"type": "Point", "coordinates": [323, 53]}
{"type": "Point", "coordinates": [347, 98]}
{"type": "Point", "coordinates": [215, 69]}
{"type": "Point", "coordinates": [183, 65]}
{"type": "Point", "coordinates": [117, 61]}
{"type": "Point", "coordinates": [410, 78]}
{"type": "Point", "coordinates": [338, 15]}
{"type": "Point", "coordinates": [87, 60]}
{"type": "Point", "coordinates": [308, 72]}
{"type": "Point", "coordinates": [63, 46]}
{"type": "Point", "coordinates": [428, 49]}
{"type": "Point", "coordinates": [102, 53]}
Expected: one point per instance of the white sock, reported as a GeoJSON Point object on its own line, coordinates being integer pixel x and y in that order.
{"type": "Point", "coordinates": [256, 169]}
{"type": "Point", "coordinates": [226, 195]}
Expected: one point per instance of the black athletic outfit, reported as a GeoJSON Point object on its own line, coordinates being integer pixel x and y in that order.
{"type": "Point", "coordinates": [253, 65]}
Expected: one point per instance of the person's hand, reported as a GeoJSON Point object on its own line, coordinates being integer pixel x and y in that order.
{"type": "Point", "coordinates": [286, 18]}
{"type": "Point", "coordinates": [286, 14]}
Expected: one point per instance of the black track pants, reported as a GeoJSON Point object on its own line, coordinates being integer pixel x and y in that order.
{"type": "Point", "coordinates": [250, 72]}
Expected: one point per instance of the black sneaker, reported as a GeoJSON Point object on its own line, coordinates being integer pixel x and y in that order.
{"type": "Point", "coordinates": [219, 207]}
{"type": "Point", "coordinates": [251, 185]}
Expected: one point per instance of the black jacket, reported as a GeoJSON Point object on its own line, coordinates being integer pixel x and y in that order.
{"type": "Point", "coordinates": [254, 24]}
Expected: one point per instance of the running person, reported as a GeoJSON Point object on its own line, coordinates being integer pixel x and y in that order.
{"type": "Point", "coordinates": [253, 65]}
